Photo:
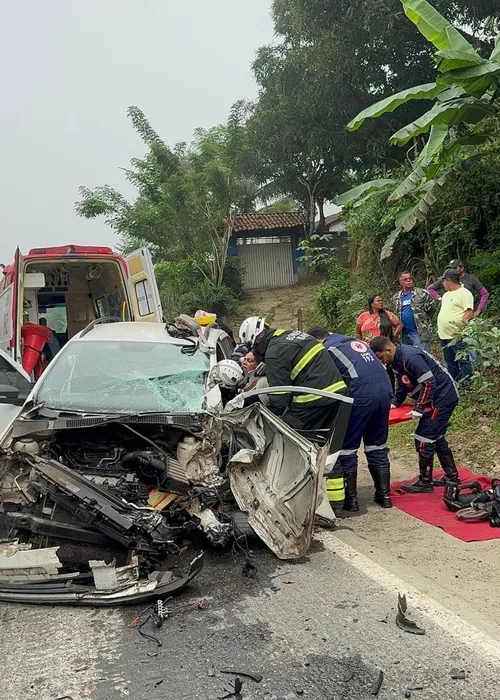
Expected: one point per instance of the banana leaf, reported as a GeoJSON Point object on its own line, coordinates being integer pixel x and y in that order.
{"type": "Point", "coordinates": [360, 190]}
{"type": "Point", "coordinates": [434, 145]}
{"type": "Point", "coordinates": [431, 192]}
{"type": "Point", "coordinates": [486, 69]}
{"type": "Point", "coordinates": [467, 109]}
{"type": "Point", "coordinates": [420, 92]}
{"type": "Point", "coordinates": [448, 59]}
{"type": "Point", "coordinates": [435, 28]}
{"type": "Point", "coordinates": [409, 184]}
{"type": "Point", "coordinates": [495, 54]}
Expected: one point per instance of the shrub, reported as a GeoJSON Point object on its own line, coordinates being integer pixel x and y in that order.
{"type": "Point", "coordinates": [184, 289]}
{"type": "Point", "coordinates": [205, 296]}
{"type": "Point", "coordinates": [233, 276]}
{"type": "Point", "coordinates": [331, 296]}
{"type": "Point", "coordinates": [175, 279]}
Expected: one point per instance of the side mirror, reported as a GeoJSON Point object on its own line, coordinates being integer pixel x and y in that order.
{"type": "Point", "coordinates": [7, 391]}
{"type": "Point", "coordinates": [10, 394]}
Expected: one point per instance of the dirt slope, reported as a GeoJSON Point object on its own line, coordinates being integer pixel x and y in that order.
{"type": "Point", "coordinates": [280, 306]}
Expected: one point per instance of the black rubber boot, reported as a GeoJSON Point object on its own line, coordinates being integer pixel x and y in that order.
{"type": "Point", "coordinates": [424, 481]}
{"type": "Point", "coordinates": [447, 462]}
{"type": "Point", "coordinates": [382, 480]}
{"type": "Point", "coordinates": [351, 495]}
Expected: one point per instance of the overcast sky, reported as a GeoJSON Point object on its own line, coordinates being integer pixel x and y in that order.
{"type": "Point", "coordinates": [68, 71]}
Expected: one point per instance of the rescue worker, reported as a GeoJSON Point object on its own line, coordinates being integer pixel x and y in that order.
{"type": "Point", "coordinates": [229, 376]}
{"type": "Point", "coordinates": [435, 397]}
{"type": "Point", "coordinates": [370, 387]}
{"type": "Point", "coordinates": [296, 358]}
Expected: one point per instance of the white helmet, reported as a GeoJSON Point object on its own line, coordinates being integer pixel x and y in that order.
{"type": "Point", "coordinates": [250, 329]}
{"type": "Point", "coordinates": [228, 374]}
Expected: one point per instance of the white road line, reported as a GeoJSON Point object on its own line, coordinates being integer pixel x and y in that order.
{"type": "Point", "coordinates": [478, 641]}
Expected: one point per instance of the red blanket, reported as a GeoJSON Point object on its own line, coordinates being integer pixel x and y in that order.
{"type": "Point", "coordinates": [429, 508]}
{"type": "Point", "coordinates": [400, 414]}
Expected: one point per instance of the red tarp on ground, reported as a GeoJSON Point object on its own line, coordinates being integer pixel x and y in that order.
{"type": "Point", "coordinates": [400, 414]}
{"type": "Point", "coordinates": [430, 508]}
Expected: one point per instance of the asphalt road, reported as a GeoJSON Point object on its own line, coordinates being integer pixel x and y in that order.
{"type": "Point", "coordinates": [322, 628]}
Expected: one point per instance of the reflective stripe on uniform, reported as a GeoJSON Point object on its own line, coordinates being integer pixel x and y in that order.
{"type": "Point", "coordinates": [335, 490]}
{"type": "Point", "coordinates": [305, 360]}
{"type": "Point", "coordinates": [345, 361]}
{"type": "Point", "coordinates": [307, 398]}
{"type": "Point", "coordinates": [425, 377]}
{"type": "Point", "coordinates": [374, 448]}
{"type": "Point", "coordinates": [278, 332]}
{"type": "Point", "coordinates": [346, 453]}
{"type": "Point", "coordinates": [427, 440]}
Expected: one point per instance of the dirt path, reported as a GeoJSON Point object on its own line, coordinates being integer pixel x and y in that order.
{"type": "Point", "coordinates": [280, 306]}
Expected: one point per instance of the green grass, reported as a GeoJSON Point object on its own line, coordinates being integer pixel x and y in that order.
{"type": "Point", "coordinates": [474, 434]}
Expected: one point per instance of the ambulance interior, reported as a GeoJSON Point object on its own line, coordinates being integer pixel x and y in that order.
{"type": "Point", "coordinates": [67, 295]}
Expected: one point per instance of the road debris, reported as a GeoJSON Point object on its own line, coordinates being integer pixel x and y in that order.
{"type": "Point", "coordinates": [249, 570]}
{"type": "Point", "coordinates": [377, 684]}
{"type": "Point", "coordinates": [157, 615]}
{"type": "Point", "coordinates": [233, 690]}
{"type": "Point", "coordinates": [402, 621]}
{"type": "Point", "coordinates": [458, 674]}
{"type": "Point", "coordinates": [257, 677]}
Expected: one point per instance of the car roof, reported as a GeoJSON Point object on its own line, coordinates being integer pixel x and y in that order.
{"type": "Point", "coordinates": [131, 331]}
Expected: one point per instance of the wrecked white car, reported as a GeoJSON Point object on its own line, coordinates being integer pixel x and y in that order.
{"type": "Point", "coordinates": [123, 453]}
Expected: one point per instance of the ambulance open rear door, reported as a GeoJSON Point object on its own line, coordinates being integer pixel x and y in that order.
{"type": "Point", "coordinates": [11, 311]}
{"type": "Point", "coordinates": [144, 295]}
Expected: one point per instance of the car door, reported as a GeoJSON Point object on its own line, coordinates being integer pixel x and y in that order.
{"type": "Point", "coordinates": [13, 379]}
{"type": "Point", "coordinates": [144, 294]}
{"type": "Point", "coordinates": [275, 479]}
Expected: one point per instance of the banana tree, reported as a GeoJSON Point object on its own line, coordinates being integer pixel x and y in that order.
{"type": "Point", "coordinates": [466, 92]}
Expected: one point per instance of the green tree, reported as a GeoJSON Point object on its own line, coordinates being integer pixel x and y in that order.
{"type": "Point", "coordinates": [334, 57]}
{"type": "Point", "coordinates": [460, 125]}
{"type": "Point", "coordinates": [186, 195]}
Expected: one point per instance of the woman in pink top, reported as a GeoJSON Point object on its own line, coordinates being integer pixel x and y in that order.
{"type": "Point", "coordinates": [377, 321]}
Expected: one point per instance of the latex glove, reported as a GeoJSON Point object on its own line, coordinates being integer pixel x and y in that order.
{"type": "Point", "coordinates": [416, 415]}
{"type": "Point", "coordinates": [260, 369]}
{"type": "Point", "coordinates": [392, 405]}
{"type": "Point", "coordinates": [235, 404]}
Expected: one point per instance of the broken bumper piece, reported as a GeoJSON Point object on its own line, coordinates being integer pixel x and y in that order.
{"type": "Point", "coordinates": [64, 589]}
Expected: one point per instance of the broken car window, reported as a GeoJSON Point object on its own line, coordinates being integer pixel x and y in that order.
{"type": "Point", "coordinates": [125, 377]}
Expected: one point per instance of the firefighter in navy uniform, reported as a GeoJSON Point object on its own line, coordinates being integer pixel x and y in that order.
{"type": "Point", "coordinates": [370, 387]}
{"type": "Point", "coordinates": [294, 358]}
{"type": "Point", "coordinates": [435, 397]}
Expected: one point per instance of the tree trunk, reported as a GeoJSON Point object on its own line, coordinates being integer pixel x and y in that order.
{"type": "Point", "coordinates": [311, 213]}
{"type": "Point", "coordinates": [321, 223]}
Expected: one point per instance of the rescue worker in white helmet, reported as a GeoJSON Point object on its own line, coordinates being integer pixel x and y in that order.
{"type": "Point", "coordinates": [297, 359]}
{"type": "Point", "coordinates": [230, 377]}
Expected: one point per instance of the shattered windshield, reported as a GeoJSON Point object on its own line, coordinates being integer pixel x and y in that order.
{"type": "Point", "coordinates": [124, 377]}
